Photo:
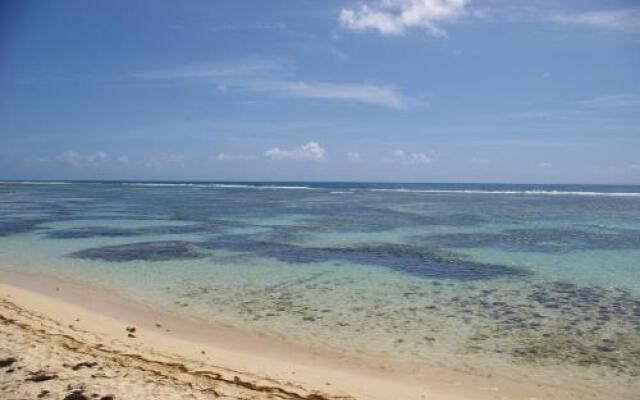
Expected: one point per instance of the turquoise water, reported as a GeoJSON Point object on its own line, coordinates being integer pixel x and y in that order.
{"type": "Point", "coordinates": [544, 277]}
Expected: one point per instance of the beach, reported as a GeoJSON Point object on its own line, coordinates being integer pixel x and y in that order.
{"type": "Point", "coordinates": [74, 349]}
{"type": "Point", "coordinates": [81, 350]}
{"type": "Point", "coordinates": [54, 346]}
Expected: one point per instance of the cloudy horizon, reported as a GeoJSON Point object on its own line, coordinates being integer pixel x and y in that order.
{"type": "Point", "coordinates": [393, 90]}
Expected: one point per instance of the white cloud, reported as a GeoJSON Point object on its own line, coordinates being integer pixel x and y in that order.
{"type": "Point", "coordinates": [611, 19]}
{"type": "Point", "coordinates": [221, 70]}
{"type": "Point", "coordinates": [123, 160]}
{"type": "Point", "coordinates": [634, 167]}
{"type": "Point", "coordinates": [74, 159]}
{"type": "Point", "coordinates": [613, 101]}
{"type": "Point", "coordinates": [272, 76]}
{"type": "Point", "coordinates": [163, 160]}
{"type": "Point", "coordinates": [232, 157]}
{"type": "Point", "coordinates": [411, 158]}
{"type": "Point", "coordinates": [547, 75]}
{"type": "Point", "coordinates": [544, 164]}
{"type": "Point", "coordinates": [77, 160]}
{"type": "Point", "coordinates": [354, 157]}
{"type": "Point", "coordinates": [310, 151]}
{"type": "Point", "coordinates": [386, 96]}
{"type": "Point", "coordinates": [480, 161]}
{"type": "Point", "coordinates": [394, 17]}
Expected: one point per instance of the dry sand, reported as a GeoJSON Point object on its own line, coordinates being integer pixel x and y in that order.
{"type": "Point", "coordinates": [53, 348]}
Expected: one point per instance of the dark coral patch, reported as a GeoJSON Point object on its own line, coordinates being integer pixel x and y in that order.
{"type": "Point", "coordinates": [14, 226]}
{"type": "Point", "coordinates": [541, 240]}
{"type": "Point", "coordinates": [415, 260]}
{"type": "Point", "coordinates": [147, 251]}
{"type": "Point", "coordinates": [559, 322]}
{"type": "Point", "coordinates": [89, 232]}
{"type": "Point", "coordinates": [100, 231]}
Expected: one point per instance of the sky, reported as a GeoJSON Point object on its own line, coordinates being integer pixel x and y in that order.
{"type": "Point", "coordinates": [384, 90]}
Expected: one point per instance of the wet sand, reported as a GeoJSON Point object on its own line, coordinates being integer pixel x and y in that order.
{"type": "Point", "coordinates": [59, 342]}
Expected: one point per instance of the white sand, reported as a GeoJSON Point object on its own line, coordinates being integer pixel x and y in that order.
{"type": "Point", "coordinates": [49, 332]}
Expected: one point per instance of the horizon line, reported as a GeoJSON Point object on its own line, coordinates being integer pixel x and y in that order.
{"type": "Point", "coordinates": [314, 181]}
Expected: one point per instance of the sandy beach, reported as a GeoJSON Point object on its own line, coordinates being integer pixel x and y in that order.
{"type": "Point", "coordinates": [57, 342]}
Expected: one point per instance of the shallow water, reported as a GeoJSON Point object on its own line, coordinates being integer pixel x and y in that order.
{"type": "Point", "coordinates": [468, 276]}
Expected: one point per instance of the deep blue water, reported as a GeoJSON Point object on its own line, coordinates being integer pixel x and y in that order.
{"type": "Point", "coordinates": [477, 187]}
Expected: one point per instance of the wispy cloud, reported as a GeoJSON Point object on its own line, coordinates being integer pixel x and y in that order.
{"type": "Point", "coordinates": [273, 77]}
{"type": "Point", "coordinates": [480, 161]}
{"type": "Point", "coordinates": [243, 68]}
{"type": "Point", "coordinates": [628, 19]}
{"type": "Point", "coordinates": [354, 157]}
{"type": "Point", "coordinates": [232, 157]}
{"type": "Point", "coordinates": [160, 161]}
{"type": "Point", "coordinates": [594, 109]}
{"type": "Point", "coordinates": [616, 101]}
{"type": "Point", "coordinates": [387, 96]}
{"type": "Point", "coordinates": [103, 161]}
{"type": "Point", "coordinates": [613, 19]}
{"type": "Point", "coordinates": [544, 164]}
{"type": "Point", "coordinates": [74, 159]}
{"type": "Point", "coordinates": [311, 151]}
{"type": "Point", "coordinates": [395, 17]}
{"type": "Point", "coordinates": [408, 158]}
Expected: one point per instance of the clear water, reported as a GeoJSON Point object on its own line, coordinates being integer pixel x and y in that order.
{"type": "Point", "coordinates": [468, 276]}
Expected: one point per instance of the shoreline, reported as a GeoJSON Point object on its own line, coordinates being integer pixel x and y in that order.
{"type": "Point", "coordinates": [48, 309]}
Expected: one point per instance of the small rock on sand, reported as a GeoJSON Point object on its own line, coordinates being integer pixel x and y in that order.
{"type": "Point", "coordinates": [7, 362]}
{"type": "Point", "coordinates": [76, 395]}
{"type": "Point", "coordinates": [40, 377]}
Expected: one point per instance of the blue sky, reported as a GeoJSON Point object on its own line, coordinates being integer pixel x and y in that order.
{"type": "Point", "coordinates": [389, 90]}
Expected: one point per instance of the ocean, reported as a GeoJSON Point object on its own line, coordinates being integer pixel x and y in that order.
{"type": "Point", "coordinates": [542, 278]}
